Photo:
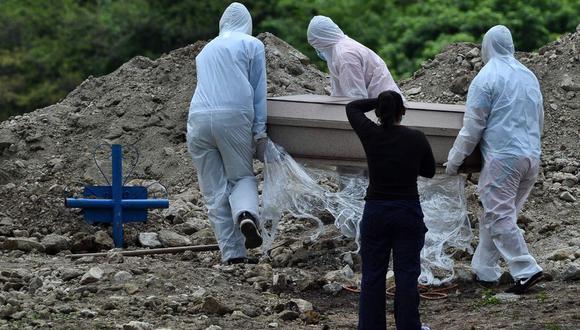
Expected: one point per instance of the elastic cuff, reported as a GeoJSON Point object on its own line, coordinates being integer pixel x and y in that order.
{"type": "Point", "coordinates": [260, 136]}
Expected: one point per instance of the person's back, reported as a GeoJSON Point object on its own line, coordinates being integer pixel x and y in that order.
{"type": "Point", "coordinates": [224, 69]}
{"type": "Point", "coordinates": [505, 114]}
{"type": "Point", "coordinates": [355, 70]}
{"type": "Point", "coordinates": [227, 115]}
{"type": "Point", "coordinates": [396, 156]}
{"type": "Point", "coordinates": [392, 218]}
{"type": "Point", "coordinates": [351, 56]}
{"type": "Point", "coordinates": [516, 108]}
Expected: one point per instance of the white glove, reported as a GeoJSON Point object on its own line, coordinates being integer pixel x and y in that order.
{"type": "Point", "coordinates": [450, 169]}
{"type": "Point", "coordinates": [261, 145]}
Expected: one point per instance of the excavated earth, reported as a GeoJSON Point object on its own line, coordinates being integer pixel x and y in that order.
{"type": "Point", "coordinates": [48, 154]}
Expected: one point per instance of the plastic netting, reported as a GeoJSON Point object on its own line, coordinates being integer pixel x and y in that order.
{"type": "Point", "coordinates": [291, 188]}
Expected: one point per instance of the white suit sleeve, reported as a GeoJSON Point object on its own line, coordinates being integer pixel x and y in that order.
{"type": "Point", "coordinates": [258, 82]}
{"type": "Point", "coordinates": [474, 123]}
{"type": "Point", "coordinates": [541, 118]}
{"type": "Point", "coordinates": [351, 79]}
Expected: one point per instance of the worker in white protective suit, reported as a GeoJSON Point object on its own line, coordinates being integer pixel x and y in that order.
{"type": "Point", "coordinates": [505, 116]}
{"type": "Point", "coordinates": [355, 70]}
{"type": "Point", "coordinates": [227, 116]}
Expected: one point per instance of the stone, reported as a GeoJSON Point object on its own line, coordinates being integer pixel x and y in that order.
{"type": "Point", "coordinates": [466, 64]}
{"type": "Point", "coordinates": [572, 272]}
{"type": "Point", "coordinates": [310, 317]}
{"type": "Point", "coordinates": [199, 292]}
{"type": "Point", "coordinates": [86, 260]}
{"type": "Point", "coordinates": [83, 242]}
{"type": "Point", "coordinates": [561, 254]}
{"type": "Point", "coordinates": [103, 240]}
{"type": "Point", "coordinates": [303, 305]}
{"type": "Point", "coordinates": [347, 258]}
{"type": "Point", "coordinates": [288, 315]}
{"type": "Point", "coordinates": [7, 311]}
{"type": "Point", "coordinates": [474, 52]}
{"type": "Point", "coordinates": [567, 179]}
{"type": "Point", "coordinates": [414, 91]}
{"type": "Point", "coordinates": [332, 288]}
{"type": "Point", "coordinates": [94, 274]}
{"type": "Point", "coordinates": [333, 276]}
{"type": "Point", "coordinates": [68, 274]}
{"type": "Point", "coordinates": [213, 327]}
{"type": "Point", "coordinates": [20, 233]}
{"type": "Point", "coordinates": [170, 238]}
{"type": "Point", "coordinates": [7, 139]}
{"type": "Point", "coordinates": [54, 243]}
{"type": "Point", "coordinates": [239, 315]}
{"type": "Point", "coordinates": [137, 325]}
{"type": "Point", "coordinates": [567, 196]}
{"type": "Point", "coordinates": [115, 257]}
{"type": "Point", "coordinates": [569, 85]}
{"type": "Point", "coordinates": [23, 244]}
{"type": "Point", "coordinates": [66, 309]}
{"type": "Point", "coordinates": [150, 240]}
{"type": "Point", "coordinates": [6, 222]}
{"type": "Point", "coordinates": [131, 288]}
{"type": "Point", "coordinates": [186, 228]}
{"type": "Point", "coordinates": [34, 284]}
{"type": "Point", "coordinates": [251, 311]}
{"type": "Point", "coordinates": [188, 256]}
{"type": "Point", "coordinates": [122, 277]}
{"type": "Point", "coordinates": [88, 313]}
{"type": "Point", "coordinates": [211, 305]}
{"type": "Point", "coordinates": [507, 297]}
{"type": "Point", "coordinates": [203, 237]}
{"type": "Point", "coordinates": [463, 273]}
{"type": "Point", "coordinates": [279, 282]}
{"type": "Point", "coordinates": [460, 85]}
{"type": "Point", "coordinates": [273, 325]}
{"type": "Point", "coordinates": [176, 211]}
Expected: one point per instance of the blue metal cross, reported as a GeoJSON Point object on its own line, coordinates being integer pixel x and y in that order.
{"type": "Point", "coordinates": [116, 204]}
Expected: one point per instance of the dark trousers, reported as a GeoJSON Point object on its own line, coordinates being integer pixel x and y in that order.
{"type": "Point", "coordinates": [385, 226]}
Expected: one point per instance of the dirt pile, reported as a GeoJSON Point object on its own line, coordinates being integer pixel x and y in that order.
{"type": "Point", "coordinates": [145, 103]}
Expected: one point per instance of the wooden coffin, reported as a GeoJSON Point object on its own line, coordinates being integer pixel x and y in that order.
{"type": "Point", "coordinates": [314, 128]}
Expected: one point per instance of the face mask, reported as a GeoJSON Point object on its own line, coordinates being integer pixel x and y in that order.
{"type": "Point", "coordinates": [321, 55]}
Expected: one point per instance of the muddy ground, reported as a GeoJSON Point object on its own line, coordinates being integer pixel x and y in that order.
{"type": "Point", "coordinates": [46, 154]}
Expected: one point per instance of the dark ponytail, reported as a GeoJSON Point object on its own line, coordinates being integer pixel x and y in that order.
{"type": "Point", "coordinates": [390, 108]}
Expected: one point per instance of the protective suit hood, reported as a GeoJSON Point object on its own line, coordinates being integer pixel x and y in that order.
{"type": "Point", "coordinates": [236, 18]}
{"type": "Point", "coordinates": [323, 33]}
{"type": "Point", "coordinates": [497, 42]}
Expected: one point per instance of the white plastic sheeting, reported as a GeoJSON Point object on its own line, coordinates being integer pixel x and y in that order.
{"type": "Point", "coordinates": [290, 188]}
{"type": "Point", "coordinates": [444, 206]}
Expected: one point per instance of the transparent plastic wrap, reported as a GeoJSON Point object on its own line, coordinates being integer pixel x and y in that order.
{"type": "Point", "coordinates": [444, 207]}
{"type": "Point", "coordinates": [290, 188]}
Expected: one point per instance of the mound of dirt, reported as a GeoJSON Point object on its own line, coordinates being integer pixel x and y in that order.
{"type": "Point", "coordinates": [143, 103]}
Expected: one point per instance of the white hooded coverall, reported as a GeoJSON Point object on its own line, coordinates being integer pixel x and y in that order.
{"type": "Point", "coordinates": [505, 115]}
{"type": "Point", "coordinates": [355, 70]}
{"type": "Point", "coordinates": [227, 111]}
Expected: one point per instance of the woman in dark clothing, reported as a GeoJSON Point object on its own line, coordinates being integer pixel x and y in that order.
{"type": "Point", "coordinates": [392, 218]}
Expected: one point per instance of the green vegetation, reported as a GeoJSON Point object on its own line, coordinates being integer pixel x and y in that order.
{"type": "Point", "coordinates": [542, 296]}
{"type": "Point", "coordinates": [49, 47]}
{"type": "Point", "coordinates": [488, 298]}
